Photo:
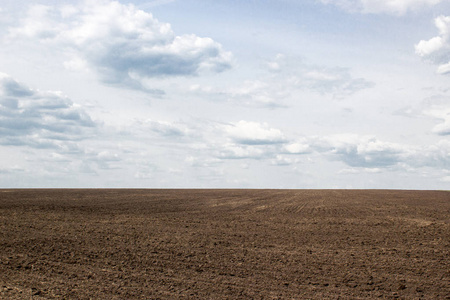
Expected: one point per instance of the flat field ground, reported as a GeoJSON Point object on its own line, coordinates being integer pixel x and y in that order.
{"type": "Point", "coordinates": [224, 244]}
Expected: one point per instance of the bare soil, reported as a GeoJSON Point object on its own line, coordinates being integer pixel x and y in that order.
{"type": "Point", "coordinates": [224, 244]}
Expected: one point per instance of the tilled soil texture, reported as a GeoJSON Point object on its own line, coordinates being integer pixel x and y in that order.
{"type": "Point", "coordinates": [224, 244]}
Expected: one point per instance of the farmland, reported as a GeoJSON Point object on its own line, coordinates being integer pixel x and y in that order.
{"type": "Point", "coordinates": [224, 244]}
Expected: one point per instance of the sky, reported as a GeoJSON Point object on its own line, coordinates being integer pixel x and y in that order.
{"type": "Point", "coordinates": [349, 94]}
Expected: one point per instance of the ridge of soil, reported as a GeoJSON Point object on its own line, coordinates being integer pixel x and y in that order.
{"type": "Point", "coordinates": [224, 244]}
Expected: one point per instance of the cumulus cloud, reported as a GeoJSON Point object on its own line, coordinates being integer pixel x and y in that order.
{"type": "Point", "coordinates": [437, 108]}
{"type": "Point", "coordinates": [246, 140]}
{"type": "Point", "coordinates": [397, 7]}
{"type": "Point", "coordinates": [254, 133]}
{"type": "Point", "coordinates": [444, 127]}
{"type": "Point", "coordinates": [437, 49]}
{"type": "Point", "coordinates": [297, 147]}
{"type": "Point", "coordinates": [281, 160]}
{"type": "Point", "coordinates": [366, 152]}
{"type": "Point", "coordinates": [122, 43]}
{"type": "Point", "coordinates": [258, 141]}
{"type": "Point", "coordinates": [104, 159]}
{"type": "Point", "coordinates": [437, 156]}
{"type": "Point", "coordinates": [238, 140]}
{"type": "Point", "coordinates": [40, 22]}
{"type": "Point", "coordinates": [212, 141]}
{"type": "Point", "coordinates": [39, 119]}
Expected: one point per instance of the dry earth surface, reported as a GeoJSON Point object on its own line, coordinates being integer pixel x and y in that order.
{"type": "Point", "coordinates": [224, 244]}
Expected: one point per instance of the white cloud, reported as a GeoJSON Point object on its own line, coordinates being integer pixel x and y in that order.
{"type": "Point", "coordinates": [437, 49]}
{"type": "Point", "coordinates": [367, 152]}
{"type": "Point", "coordinates": [163, 128]}
{"type": "Point", "coordinates": [363, 151]}
{"type": "Point", "coordinates": [13, 169]}
{"type": "Point", "coordinates": [198, 162]}
{"type": "Point", "coordinates": [259, 141]}
{"type": "Point", "coordinates": [254, 133]}
{"type": "Point", "coordinates": [281, 160]}
{"type": "Point", "coordinates": [444, 69]}
{"type": "Point", "coordinates": [76, 64]}
{"type": "Point", "coordinates": [40, 22]}
{"type": "Point", "coordinates": [298, 147]}
{"type": "Point", "coordinates": [445, 179]}
{"type": "Point", "coordinates": [437, 108]}
{"type": "Point", "coordinates": [435, 156]}
{"type": "Point", "coordinates": [122, 43]}
{"type": "Point", "coordinates": [233, 151]}
{"type": "Point", "coordinates": [397, 7]}
{"type": "Point", "coordinates": [295, 74]}
{"type": "Point", "coordinates": [39, 119]}
{"type": "Point", "coordinates": [360, 170]}
{"type": "Point", "coordinates": [287, 76]}
{"type": "Point", "coordinates": [259, 93]}
{"type": "Point", "coordinates": [443, 128]}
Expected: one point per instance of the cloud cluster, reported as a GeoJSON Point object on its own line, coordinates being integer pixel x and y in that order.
{"type": "Point", "coordinates": [365, 152]}
{"type": "Point", "coordinates": [39, 119]}
{"type": "Point", "coordinates": [259, 141]}
{"type": "Point", "coordinates": [437, 49]}
{"type": "Point", "coordinates": [285, 77]}
{"type": "Point", "coordinates": [245, 140]}
{"type": "Point", "coordinates": [396, 7]}
{"type": "Point", "coordinates": [122, 43]}
{"type": "Point", "coordinates": [253, 140]}
{"type": "Point", "coordinates": [204, 148]}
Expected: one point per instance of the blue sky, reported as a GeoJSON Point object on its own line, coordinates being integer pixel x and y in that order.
{"type": "Point", "coordinates": [236, 94]}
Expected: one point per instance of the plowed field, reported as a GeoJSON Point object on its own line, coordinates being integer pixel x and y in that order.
{"type": "Point", "coordinates": [224, 244]}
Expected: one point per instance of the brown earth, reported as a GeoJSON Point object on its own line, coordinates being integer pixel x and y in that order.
{"type": "Point", "coordinates": [224, 244]}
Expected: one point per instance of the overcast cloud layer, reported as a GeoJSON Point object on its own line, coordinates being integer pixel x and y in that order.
{"type": "Point", "coordinates": [276, 94]}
